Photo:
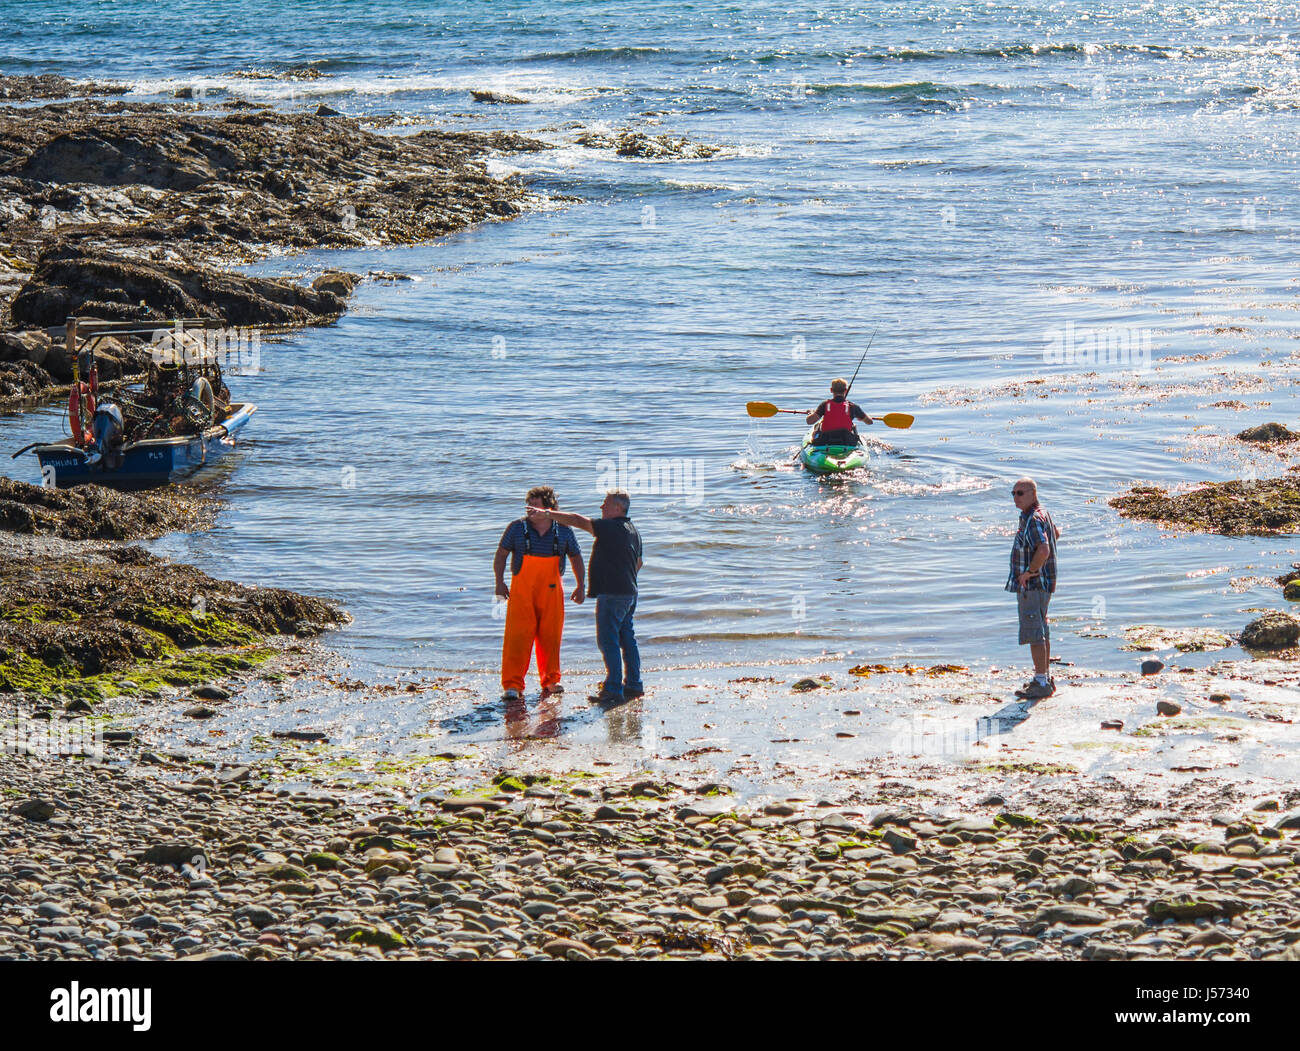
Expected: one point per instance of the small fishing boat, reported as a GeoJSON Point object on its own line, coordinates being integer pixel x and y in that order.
{"type": "Point", "coordinates": [179, 420]}
{"type": "Point", "coordinates": [831, 459]}
{"type": "Point", "coordinates": [146, 463]}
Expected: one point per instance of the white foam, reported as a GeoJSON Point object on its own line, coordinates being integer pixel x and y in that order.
{"type": "Point", "coordinates": [538, 88]}
{"type": "Point", "coordinates": [686, 184]}
{"type": "Point", "coordinates": [499, 168]}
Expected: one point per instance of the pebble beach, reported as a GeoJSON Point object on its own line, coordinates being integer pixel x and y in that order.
{"type": "Point", "coordinates": [207, 866]}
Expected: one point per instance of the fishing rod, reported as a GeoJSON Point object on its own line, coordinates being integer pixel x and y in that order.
{"type": "Point", "coordinates": [861, 360]}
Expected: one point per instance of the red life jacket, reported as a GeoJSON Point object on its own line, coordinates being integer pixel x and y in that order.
{"type": "Point", "coordinates": [836, 416]}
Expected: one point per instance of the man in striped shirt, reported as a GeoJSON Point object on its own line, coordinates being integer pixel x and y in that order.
{"type": "Point", "coordinates": [1033, 579]}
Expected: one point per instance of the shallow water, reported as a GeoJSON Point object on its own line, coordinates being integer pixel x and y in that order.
{"type": "Point", "coordinates": [968, 180]}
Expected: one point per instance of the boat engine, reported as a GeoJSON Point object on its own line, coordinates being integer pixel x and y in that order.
{"type": "Point", "coordinates": [107, 433]}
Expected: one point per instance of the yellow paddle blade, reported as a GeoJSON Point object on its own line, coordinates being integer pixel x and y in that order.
{"type": "Point", "coordinates": [901, 420]}
{"type": "Point", "coordinates": [761, 409]}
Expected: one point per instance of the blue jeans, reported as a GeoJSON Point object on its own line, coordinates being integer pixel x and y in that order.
{"type": "Point", "coordinates": [617, 641]}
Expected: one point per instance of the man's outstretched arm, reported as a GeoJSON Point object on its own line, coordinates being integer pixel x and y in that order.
{"type": "Point", "coordinates": [566, 518]}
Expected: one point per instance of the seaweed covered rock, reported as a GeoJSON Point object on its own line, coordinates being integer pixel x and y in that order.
{"type": "Point", "coordinates": [1268, 434]}
{"type": "Point", "coordinates": [1238, 508]}
{"type": "Point", "coordinates": [498, 98]}
{"type": "Point", "coordinates": [51, 86]}
{"type": "Point", "coordinates": [150, 194]}
{"type": "Point", "coordinates": [69, 281]}
{"type": "Point", "coordinates": [1149, 637]}
{"type": "Point", "coordinates": [1272, 631]}
{"type": "Point", "coordinates": [630, 143]}
{"type": "Point", "coordinates": [95, 512]}
{"type": "Point", "coordinates": [108, 158]}
{"type": "Point", "coordinates": [90, 624]}
{"type": "Point", "coordinates": [22, 381]}
{"type": "Point", "coordinates": [337, 282]}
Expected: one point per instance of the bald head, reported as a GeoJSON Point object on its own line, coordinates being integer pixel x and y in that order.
{"type": "Point", "coordinates": [1025, 493]}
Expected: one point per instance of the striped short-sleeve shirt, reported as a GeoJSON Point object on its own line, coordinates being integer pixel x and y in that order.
{"type": "Point", "coordinates": [520, 538]}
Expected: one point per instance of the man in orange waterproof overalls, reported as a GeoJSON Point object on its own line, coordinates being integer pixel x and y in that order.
{"type": "Point", "coordinates": [535, 607]}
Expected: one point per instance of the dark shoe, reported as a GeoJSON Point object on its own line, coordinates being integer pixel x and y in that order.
{"type": "Point", "coordinates": [605, 697]}
{"type": "Point", "coordinates": [553, 691]}
{"type": "Point", "coordinates": [511, 695]}
{"type": "Point", "coordinates": [633, 692]}
{"type": "Point", "coordinates": [1035, 690]}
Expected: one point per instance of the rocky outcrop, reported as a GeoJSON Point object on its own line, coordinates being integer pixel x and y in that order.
{"type": "Point", "coordinates": [114, 288]}
{"type": "Point", "coordinates": [106, 206]}
{"type": "Point", "coordinates": [498, 98]}
{"type": "Point", "coordinates": [1258, 508]}
{"type": "Point", "coordinates": [93, 512]}
{"type": "Point", "coordinates": [51, 86]}
{"type": "Point", "coordinates": [70, 615]}
{"type": "Point", "coordinates": [629, 143]}
{"type": "Point", "coordinates": [1272, 631]}
{"type": "Point", "coordinates": [1269, 434]}
{"type": "Point", "coordinates": [169, 161]}
{"type": "Point", "coordinates": [337, 282]}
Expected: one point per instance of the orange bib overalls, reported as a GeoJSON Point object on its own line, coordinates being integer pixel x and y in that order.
{"type": "Point", "coordinates": [534, 619]}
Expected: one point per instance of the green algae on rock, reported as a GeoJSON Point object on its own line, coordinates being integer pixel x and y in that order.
{"type": "Point", "coordinates": [101, 623]}
{"type": "Point", "coordinates": [1237, 508]}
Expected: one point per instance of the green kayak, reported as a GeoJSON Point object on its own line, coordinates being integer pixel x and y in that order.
{"type": "Point", "coordinates": [831, 459]}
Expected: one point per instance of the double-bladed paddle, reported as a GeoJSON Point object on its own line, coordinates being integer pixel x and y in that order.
{"type": "Point", "coordinates": [762, 410]}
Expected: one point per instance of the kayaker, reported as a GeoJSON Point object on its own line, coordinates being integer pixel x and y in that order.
{"type": "Point", "coordinates": [834, 417]}
{"type": "Point", "coordinates": [535, 598]}
{"type": "Point", "coordinates": [615, 562]}
{"type": "Point", "coordinates": [1033, 579]}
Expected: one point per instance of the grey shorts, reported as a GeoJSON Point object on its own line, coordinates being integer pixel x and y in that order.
{"type": "Point", "coordinates": [1032, 606]}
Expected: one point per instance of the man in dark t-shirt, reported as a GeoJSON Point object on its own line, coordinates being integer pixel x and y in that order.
{"type": "Point", "coordinates": [611, 576]}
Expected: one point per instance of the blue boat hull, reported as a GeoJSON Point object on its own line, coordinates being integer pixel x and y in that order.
{"type": "Point", "coordinates": [156, 461]}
